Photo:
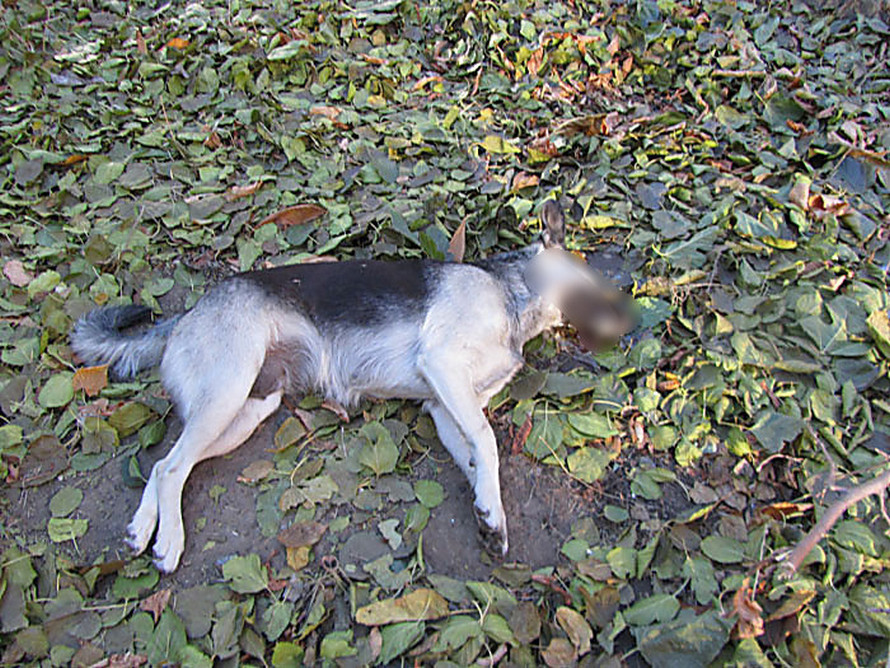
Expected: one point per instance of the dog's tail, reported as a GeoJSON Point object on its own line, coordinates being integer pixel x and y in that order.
{"type": "Point", "coordinates": [97, 339]}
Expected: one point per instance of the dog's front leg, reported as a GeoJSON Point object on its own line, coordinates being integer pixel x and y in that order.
{"type": "Point", "coordinates": [453, 439]}
{"type": "Point", "coordinates": [463, 414]}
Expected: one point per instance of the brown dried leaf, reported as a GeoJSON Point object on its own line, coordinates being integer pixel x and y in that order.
{"type": "Point", "coordinates": [375, 642]}
{"type": "Point", "coordinates": [90, 379]}
{"type": "Point", "coordinates": [458, 243]}
{"type": "Point", "coordinates": [122, 660]}
{"type": "Point", "coordinates": [156, 603]}
{"type": "Point", "coordinates": [302, 534]}
{"type": "Point", "coordinates": [525, 180]}
{"type": "Point", "coordinates": [822, 205]}
{"type": "Point", "coordinates": [328, 112]}
{"type": "Point", "coordinates": [749, 613]}
{"type": "Point", "coordinates": [800, 194]}
{"type": "Point", "coordinates": [256, 471]}
{"type": "Point", "coordinates": [295, 215]}
{"type": "Point", "coordinates": [237, 192]}
{"type": "Point", "coordinates": [140, 43]}
{"type": "Point", "coordinates": [793, 604]}
{"type": "Point", "coordinates": [703, 495]}
{"type": "Point", "coordinates": [15, 271]}
{"type": "Point", "coordinates": [576, 628]}
{"type": "Point", "coordinates": [559, 653]}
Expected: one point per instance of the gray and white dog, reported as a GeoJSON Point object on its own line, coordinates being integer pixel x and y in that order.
{"type": "Point", "coordinates": [448, 334]}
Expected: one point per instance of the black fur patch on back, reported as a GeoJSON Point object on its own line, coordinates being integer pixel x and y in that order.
{"type": "Point", "coordinates": [358, 292]}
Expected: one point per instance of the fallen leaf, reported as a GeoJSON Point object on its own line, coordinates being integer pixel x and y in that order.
{"type": "Point", "coordinates": [800, 193]}
{"type": "Point", "coordinates": [559, 653]}
{"type": "Point", "coordinates": [140, 42]}
{"type": "Point", "coordinates": [156, 603]}
{"type": "Point", "coordinates": [15, 271]}
{"type": "Point", "coordinates": [297, 557]}
{"type": "Point", "coordinates": [178, 43]}
{"type": "Point", "coordinates": [300, 534]}
{"type": "Point", "coordinates": [237, 192]}
{"type": "Point", "coordinates": [796, 602]}
{"type": "Point", "coordinates": [750, 620]}
{"type": "Point", "coordinates": [90, 379]}
{"type": "Point", "coordinates": [458, 243]}
{"type": "Point", "coordinates": [122, 660]}
{"type": "Point", "coordinates": [328, 112]}
{"type": "Point", "coordinates": [524, 180]}
{"type": "Point", "coordinates": [418, 605]}
{"type": "Point", "coordinates": [298, 214]}
{"type": "Point", "coordinates": [256, 471]}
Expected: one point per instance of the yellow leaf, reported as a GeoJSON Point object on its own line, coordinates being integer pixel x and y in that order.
{"type": "Point", "coordinates": [496, 144]}
{"type": "Point", "coordinates": [298, 557]}
{"type": "Point", "coordinates": [419, 604]}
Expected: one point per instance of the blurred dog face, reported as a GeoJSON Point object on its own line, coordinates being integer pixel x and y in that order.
{"type": "Point", "coordinates": [599, 311]}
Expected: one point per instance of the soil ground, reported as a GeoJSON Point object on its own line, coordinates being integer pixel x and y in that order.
{"type": "Point", "coordinates": [540, 502]}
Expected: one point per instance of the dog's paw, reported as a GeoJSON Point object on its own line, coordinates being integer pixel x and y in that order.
{"type": "Point", "coordinates": [168, 549]}
{"type": "Point", "coordinates": [138, 535]}
{"type": "Point", "coordinates": [492, 531]}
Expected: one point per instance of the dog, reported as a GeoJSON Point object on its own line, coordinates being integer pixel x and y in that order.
{"type": "Point", "coordinates": [447, 334]}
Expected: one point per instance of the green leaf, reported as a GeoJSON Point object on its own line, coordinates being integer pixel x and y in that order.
{"type": "Point", "coordinates": [58, 390]}
{"type": "Point", "coordinates": [287, 51]}
{"type": "Point", "coordinates": [65, 501]}
{"type": "Point", "coordinates": [490, 594]}
{"type": "Point", "coordinates": [496, 627]}
{"type": "Point", "coordinates": [398, 638]}
{"type": "Point", "coordinates": [379, 453]}
{"type": "Point", "coordinates": [657, 608]}
{"type": "Point", "coordinates": [615, 514]}
{"type": "Point", "coordinates": [688, 641]}
{"type": "Point", "coordinates": [429, 492]}
{"type": "Point", "coordinates": [337, 644]}
{"type": "Point", "coordinates": [774, 429]}
{"type": "Point", "coordinates": [589, 464]}
{"type": "Point", "coordinates": [287, 655]}
{"type": "Point", "coordinates": [129, 418]}
{"type": "Point", "coordinates": [498, 145]}
{"type": "Point", "coordinates": [723, 549]}
{"type": "Point", "coordinates": [61, 529]}
{"type": "Point", "coordinates": [168, 641]}
{"type": "Point", "coordinates": [458, 630]}
{"type": "Point", "coordinates": [622, 561]}
{"type": "Point", "coordinates": [10, 436]}
{"type": "Point", "coordinates": [246, 575]}
{"type": "Point", "coordinates": [593, 425]}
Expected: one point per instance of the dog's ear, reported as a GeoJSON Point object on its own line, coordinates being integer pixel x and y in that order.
{"type": "Point", "coordinates": [554, 221]}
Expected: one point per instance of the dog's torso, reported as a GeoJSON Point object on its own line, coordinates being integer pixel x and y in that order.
{"type": "Point", "coordinates": [361, 328]}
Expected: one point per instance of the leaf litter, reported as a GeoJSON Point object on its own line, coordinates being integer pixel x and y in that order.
{"type": "Point", "coordinates": [725, 161]}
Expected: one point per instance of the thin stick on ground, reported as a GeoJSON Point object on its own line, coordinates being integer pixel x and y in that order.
{"type": "Point", "coordinates": [792, 560]}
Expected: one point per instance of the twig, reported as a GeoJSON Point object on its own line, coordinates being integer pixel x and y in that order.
{"type": "Point", "coordinates": [792, 560]}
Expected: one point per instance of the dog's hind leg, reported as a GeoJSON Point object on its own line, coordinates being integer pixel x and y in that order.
{"type": "Point", "coordinates": [176, 467]}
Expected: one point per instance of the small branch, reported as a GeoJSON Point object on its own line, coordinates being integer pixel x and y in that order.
{"type": "Point", "coordinates": [792, 560]}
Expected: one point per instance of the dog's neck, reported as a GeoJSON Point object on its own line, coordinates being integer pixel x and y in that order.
{"type": "Point", "coordinates": [530, 314]}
